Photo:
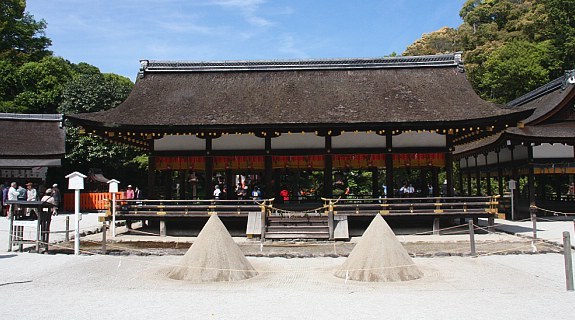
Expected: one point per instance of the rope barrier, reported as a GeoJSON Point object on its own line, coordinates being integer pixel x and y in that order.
{"type": "Point", "coordinates": [164, 264]}
{"type": "Point", "coordinates": [555, 212]}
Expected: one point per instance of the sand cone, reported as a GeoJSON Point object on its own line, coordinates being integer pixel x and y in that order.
{"type": "Point", "coordinates": [214, 256]}
{"type": "Point", "coordinates": [379, 257]}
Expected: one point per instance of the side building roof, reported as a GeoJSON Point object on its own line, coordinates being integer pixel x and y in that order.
{"type": "Point", "coordinates": [427, 90]}
{"type": "Point", "coordinates": [31, 136]}
{"type": "Point", "coordinates": [552, 120]}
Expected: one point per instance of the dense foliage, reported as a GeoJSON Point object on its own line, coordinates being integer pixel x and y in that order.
{"type": "Point", "coordinates": [510, 46]}
{"type": "Point", "coordinates": [33, 80]}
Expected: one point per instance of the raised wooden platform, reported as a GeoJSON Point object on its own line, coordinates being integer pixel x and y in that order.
{"type": "Point", "coordinates": [324, 221]}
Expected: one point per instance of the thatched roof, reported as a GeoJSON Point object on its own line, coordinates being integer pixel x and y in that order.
{"type": "Point", "coordinates": [427, 89]}
{"type": "Point", "coordinates": [32, 136]}
{"type": "Point", "coordinates": [552, 132]}
{"type": "Point", "coordinates": [546, 100]}
{"type": "Point", "coordinates": [552, 121]}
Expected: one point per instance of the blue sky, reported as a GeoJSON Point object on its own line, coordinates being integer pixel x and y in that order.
{"type": "Point", "coordinates": [114, 35]}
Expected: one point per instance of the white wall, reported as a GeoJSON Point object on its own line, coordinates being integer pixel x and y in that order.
{"type": "Point", "coordinates": [548, 150]}
{"type": "Point", "coordinates": [419, 139]}
{"type": "Point", "coordinates": [358, 140]}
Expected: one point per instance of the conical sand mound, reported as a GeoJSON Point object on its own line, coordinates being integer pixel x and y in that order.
{"type": "Point", "coordinates": [379, 257]}
{"type": "Point", "coordinates": [214, 256]}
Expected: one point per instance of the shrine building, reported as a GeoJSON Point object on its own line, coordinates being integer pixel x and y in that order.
{"type": "Point", "coordinates": [265, 123]}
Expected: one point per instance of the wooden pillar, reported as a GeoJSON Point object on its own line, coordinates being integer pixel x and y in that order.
{"type": "Point", "coordinates": [269, 177]}
{"type": "Point", "coordinates": [449, 166]}
{"type": "Point", "coordinates": [500, 181]}
{"type": "Point", "coordinates": [268, 169]}
{"type": "Point", "coordinates": [435, 181]}
{"type": "Point", "coordinates": [487, 177]}
{"type": "Point", "coordinates": [182, 184]}
{"type": "Point", "coordinates": [169, 174]}
{"type": "Point", "coordinates": [209, 169]}
{"type": "Point", "coordinates": [477, 178]}
{"type": "Point", "coordinates": [531, 177]}
{"type": "Point", "coordinates": [499, 174]}
{"type": "Point", "coordinates": [488, 181]}
{"type": "Point", "coordinates": [151, 178]}
{"type": "Point", "coordinates": [328, 170]}
{"type": "Point", "coordinates": [478, 182]}
{"type": "Point", "coordinates": [460, 175]}
{"type": "Point", "coordinates": [229, 184]}
{"type": "Point", "coordinates": [389, 180]}
{"type": "Point", "coordinates": [374, 182]}
{"type": "Point", "coordinates": [469, 189]}
{"type": "Point", "coordinates": [449, 173]}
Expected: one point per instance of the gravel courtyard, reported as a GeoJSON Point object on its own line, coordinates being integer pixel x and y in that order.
{"type": "Point", "coordinates": [120, 287]}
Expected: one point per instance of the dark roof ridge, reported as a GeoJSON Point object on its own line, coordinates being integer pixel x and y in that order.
{"type": "Point", "coordinates": [29, 116]}
{"type": "Point", "coordinates": [440, 60]}
{"type": "Point", "coordinates": [560, 82]}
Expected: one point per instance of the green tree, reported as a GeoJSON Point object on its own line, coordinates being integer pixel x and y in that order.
{"type": "Point", "coordinates": [510, 46]}
{"type": "Point", "coordinates": [91, 91]}
{"type": "Point", "coordinates": [443, 40]}
{"type": "Point", "coordinates": [40, 85]}
{"type": "Point", "coordinates": [560, 29]}
{"type": "Point", "coordinates": [517, 67]}
{"type": "Point", "coordinates": [8, 85]}
{"type": "Point", "coordinates": [22, 39]}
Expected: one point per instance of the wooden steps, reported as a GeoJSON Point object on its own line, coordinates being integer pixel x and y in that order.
{"type": "Point", "coordinates": [296, 227]}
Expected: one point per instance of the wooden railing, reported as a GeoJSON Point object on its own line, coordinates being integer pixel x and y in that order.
{"type": "Point", "coordinates": [415, 206]}
{"type": "Point", "coordinates": [177, 208]}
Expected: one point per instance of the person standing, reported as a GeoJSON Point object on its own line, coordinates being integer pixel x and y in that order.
{"type": "Point", "coordinates": [284, 193]}
{"type": "Point", "coordinates": [130, 192]}
{"type": "Point", "coordinates": [138, 193]}
{"type": "Point", "coordinates": [12, 195]}
{"type": "Point", "coordinates": [57, 198]}
{"type": "Point", "coordinates": [217, 192]}
{"type": "Point", "coordinates": [3, 194]}
{"type": "Point", "coordinates": [21, 193]}
{"type": "Point", "coordinates": [45, 215]}
{"type": "Point", "coordinates": [31, 193]}
{"type": "Point", "coordinates": [13, 192]}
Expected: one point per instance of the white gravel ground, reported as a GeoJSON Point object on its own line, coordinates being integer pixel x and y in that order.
{"type": "Point", "coordinates": [36, 286]}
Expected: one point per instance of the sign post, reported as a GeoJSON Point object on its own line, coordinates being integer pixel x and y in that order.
{"type": "Point", "coordinates": [113, 189]}
{"type": "Point", "coordinates": [76, 183]}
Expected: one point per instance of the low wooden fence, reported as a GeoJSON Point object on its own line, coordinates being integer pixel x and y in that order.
{"type": "Point", "coordinates": [90, 200]}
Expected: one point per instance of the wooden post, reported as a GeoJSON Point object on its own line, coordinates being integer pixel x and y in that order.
{"type": "Point", "coordinates": [11, 227]}
{"type": "Point", "coordinates": [78, 217]}
{"type": "Point", "coordinates": [151, 175]}
{"type": "Point", "coordinates": [163, 228]}
{"type": "Point", "coordinates": [436, 226]}
{"type": "Point", "coordinates": [449, 169]}
{"type": "Point", "coordinates": [472, 238]}
{"type": "Point", "coordinates": [533, 211]}
{"type": "Point", "coordinates": [263, 223]}
{"type": "Point", "coordinates": [330, 220]}
{"type": "Point", "coordinates": [328, 176]}
{"type": "Point", "coordinates": [531, 175]}
{"type": "Point", "coordinates": [67, 234]}
{"type": "Point", "coordinates": [389, 183]}
{"type": "Point", "coordinates": [491, 223]}
{"type": "Point", "coordinates": [568, 261]}
{"type": "Point", "coordinates": [104, 231]}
